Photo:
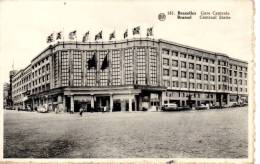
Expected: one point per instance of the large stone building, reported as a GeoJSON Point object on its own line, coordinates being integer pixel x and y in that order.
{"type": "Point", "coordinates": [128, 75]}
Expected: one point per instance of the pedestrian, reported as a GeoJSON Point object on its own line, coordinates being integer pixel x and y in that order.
{"type": "Point", "coordinates": [81, 110]}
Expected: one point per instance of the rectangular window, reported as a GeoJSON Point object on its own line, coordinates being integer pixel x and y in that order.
{"type": "Point", "coordinates": [175, 63]}
{"type": "Point", "coordinates": [64, 68]}
{"type": "Point", "coordinates": [174, 73]}
{"type": "Point", "coordinates": [198, 67]}
{"type": "Point", "coordinates": [183, 64]}
{"type": "Point", "coordinates": [104, 72]}
{"type": "Point", "coordinates": [77, 68]}
{"type": "Point", "coordinates": [191, 65]}
{"type": "Point", "coordinates": [198, 58]}
{"type": "Point", "coordinates": [166, 72]}
{"type": "Point", "coordinates": [212, 78]}
{"type": "Point", "coordinates": [206, 77]}
{"type": "Point", "coordinates": [175, 84]}
{"type": "Point", "coordinates": [165, 51]}
{"type": "Point", "coordinates": [129, 77]}
{"type": "Point", "coordinates": [141, 66]}
{"type": "Point", "coordinates": [153, 66]}
{"type": "Point", "coordinates": [91, 72]}
{"type": "Point", "coordinates": [174, 53]}
{"type": "Point", "coordinates": [165, 61]}
{"type": "Point", "coordinates": [191, 57]}
{"type": "Point", "coordinates": [183, 55]}
{"type": "Point", "coordinates": [198, 76]}
{"type": "Point", "coordinates": [205, 68]}
{"type": "Point", "coordinates": [191, 75]}
{"type": "Point", "coordinates": [183, 74]}
{"type": "Point", "coordinates": [116, 76]}
{"type": "Point", "coordinates": [212, 69]}
{"type": "Point", "coordinates": [166, 83]}
{"type": "Point", "coordinates": [183, 84]}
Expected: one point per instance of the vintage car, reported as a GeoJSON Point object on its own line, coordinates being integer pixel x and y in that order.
{"type": "Point", "coordinates": [202, 107]}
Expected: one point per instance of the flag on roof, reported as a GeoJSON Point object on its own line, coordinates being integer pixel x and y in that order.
{"type": "Point", "coordinates": [126, 34]}
{"type": "Point", "coordinates": [136, 30]}
{"type": "Point", "coordinates": [112, 35]}
{"type": "Point", "coordinates": [72, 35]}
{"type": "Point", "coordinates": [98, 36]}
{"type": "Point", "coordinates": [50, 38]}
{"type": "Point", "coordinates": [149, 31]}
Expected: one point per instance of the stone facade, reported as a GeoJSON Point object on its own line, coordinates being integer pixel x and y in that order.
{"type": "Point", "coordinates": [138, 74]}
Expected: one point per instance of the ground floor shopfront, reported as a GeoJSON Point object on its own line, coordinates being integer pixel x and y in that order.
{"type": "Point", "coordinates": [131, 98]}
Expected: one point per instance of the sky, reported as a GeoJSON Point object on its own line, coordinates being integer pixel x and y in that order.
{"type": "Point", "coordinates": [25, 25]}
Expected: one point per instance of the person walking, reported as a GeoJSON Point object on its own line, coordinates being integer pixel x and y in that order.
{"type": "Point", "coordinates": [81, 110]}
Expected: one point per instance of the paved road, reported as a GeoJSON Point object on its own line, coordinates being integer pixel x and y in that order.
{"type": "Point", "coordinates": [193, 134]}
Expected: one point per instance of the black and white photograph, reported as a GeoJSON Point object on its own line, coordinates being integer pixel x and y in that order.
{"type": "Point", "coordinates": [127, 81]}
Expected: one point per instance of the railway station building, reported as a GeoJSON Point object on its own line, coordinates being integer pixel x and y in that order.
{"type": "Point", "coordinates": [128, 75]}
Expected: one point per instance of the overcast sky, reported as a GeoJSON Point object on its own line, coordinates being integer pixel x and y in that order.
{"type": "Point", "coordinates": [24, 25]}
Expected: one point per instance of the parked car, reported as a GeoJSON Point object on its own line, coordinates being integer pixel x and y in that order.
{"type": "Point", "coordinates": [42, 109]}
{"type": "Point", "coordinates": [201, 107]}
{"type": "Point", "coordinates": [170, 107]}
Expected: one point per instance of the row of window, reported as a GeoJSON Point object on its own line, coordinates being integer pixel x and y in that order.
{"type": "Point", "coordinates": [191, 85]}
{"type": "Point", "coordinates": [183, 55]}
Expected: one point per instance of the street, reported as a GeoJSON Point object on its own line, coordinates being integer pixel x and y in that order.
{"type": "Point", "coordinates": [186, 134]}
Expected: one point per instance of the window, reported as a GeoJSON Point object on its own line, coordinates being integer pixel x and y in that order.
{"type": "Point", "coordinates": [165, 51]}
{"type": "Point", "coordinates": [212, 78]}
{"type": "Point", "coordinates": [141, 77]}
{"type": "Point", "coordinates": [183, 84]}
{"type": "Point", "coordinates": [191, 57]}
{"type": "Point", "coordinates": [198, 58]}
{"type": "Point", "coordinates": [116, 76]}
{"type": "Point", "coordinates": [206, 77]}
{"type": "Point", "coordinates": [165, 61]}
{"type": "Point", "coordinates": [205, 60]}
{"type": "Point", "coordinates": [166, 72]}
{"type": "Point", "coordinates": [183, 74]}
{"type": "Point", "coordinates": [206, 86]}
{"type": "Point", "coordinates": [198, 76]}
{"type": "Point", "coordinates": [153, 66]}
{"type": "Point", "coordinates": [205, 68]}
{"type": "Point", "coordinates": [240, 74]}
{"type": "Point", "coordinates": [212, 69]}
{"type": "Point", "coordinates": [191, 65]}
{"type": "Point", "coordinates": [245, 75]}
{"type": "Point", "coordinates": [174, 73]}
{"type": "Point", "coordinates": [198, 67]}
{"type": "Point", "coordinates": [192, 86]}
{"type": "Point", "coordinates": [129, 77]}
{"type": "Point", "coordinates": [183, 55]}
{"type": "Point", "coordinates": [91, 72]}
{"type": "Point", "coordinates": [175, 63]}
{"type": "Point", "coordinates": [183, 64]}
{"type": "Point", "coordinates": [191, 75]}
{"type": "Point", "coordinates": [77, 68]}
{"type": "Point", "coordinates": [235, 73]}
{"type": "Point", "coordinates": [175, 84]}
{"type": "Point", "coordinates": [64, 68]}
{"type": "Point", "coordinates": [174, 53]}
{"type": "Point", "coordinates": [235, 81]}
{"type": "Point", "coordinates": [166, 83]}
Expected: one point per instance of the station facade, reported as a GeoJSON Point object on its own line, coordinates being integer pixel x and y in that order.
{"type": "Point", "coordinates": [128, 75]}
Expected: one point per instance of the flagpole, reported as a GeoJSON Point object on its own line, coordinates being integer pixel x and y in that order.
{"type": "Point", "coordinates": [63, 36]}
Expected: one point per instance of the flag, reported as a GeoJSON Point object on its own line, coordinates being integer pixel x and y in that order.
{"type": "Point", "coordinates": [92, 62]}
{"type": "Point", "coordinates": [136, 30]}
{"type": "Point", "coordinates": [112, 35]}
{"type": "Point", "coordinates": [99, 35]}
{"type": "Point", "coordinates": [85, 37]}
{"type": "Point", "coordinates": [50, 38]}
{"type": "Point", "coordinates": [72, 35]}
{"type": "Point", "coordinates": [126, 34]}
{"type": "Point", "coordinates": [58, 36]}
{"type": "Point", "coordinates": [149, 31]}
{"type": "Point", "coordinates": [105, 63]}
